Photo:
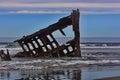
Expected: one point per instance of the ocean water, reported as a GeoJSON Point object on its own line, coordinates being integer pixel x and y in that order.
{"type": "Point", "coordinates": [82, 39]}
{"type": "Point", "coordinates": [103, 61]}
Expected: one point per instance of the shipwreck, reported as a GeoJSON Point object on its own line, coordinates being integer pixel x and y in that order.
{"type": "Point", "coordinates": [42, 43]}
{"type": "Point", "coordinates": [4, 56]}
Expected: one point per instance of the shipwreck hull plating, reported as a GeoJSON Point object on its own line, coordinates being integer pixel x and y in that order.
{"type": "Point", "coordinates": [43, 43]}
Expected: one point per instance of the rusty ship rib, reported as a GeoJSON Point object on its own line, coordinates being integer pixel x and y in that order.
{"type": "Point", "coordinates": [43, 43]}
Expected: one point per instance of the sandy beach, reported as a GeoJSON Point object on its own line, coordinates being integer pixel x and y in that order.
{"type": "Point", "coordinates": [110, 78]}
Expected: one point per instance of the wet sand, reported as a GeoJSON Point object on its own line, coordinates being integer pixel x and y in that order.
{"type": "Point", "coordinates": [110, 78]}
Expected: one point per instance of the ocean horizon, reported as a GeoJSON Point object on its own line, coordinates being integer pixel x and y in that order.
{"type": "Point", "coordinates": [82, 39]}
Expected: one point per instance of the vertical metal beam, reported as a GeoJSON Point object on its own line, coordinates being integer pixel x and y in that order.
{"type": "Point", "coordinates": [44, 44]}
{"type": "Point", "coordinates": [54, 40]}
{"type": "Point", "coordinates": [37, 42]}
{"type": "Point", "coordinates": [28, 46]}
{"type": "Point", "coordinates": [75, 21]}
{"type": "Point", "coordinates": [32, 45]}
{"type": "Point", "coordinates": [21, 44]}
{"type": "Point", "coordinates": [39, 49]}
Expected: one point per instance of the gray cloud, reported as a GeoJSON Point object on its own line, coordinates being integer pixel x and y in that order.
{"type": "Point", "coordinates": [86, 7]}
{"type": "Point", "coordinates": [38, 1]}
{"type": "Point", "coordinates": [36, 12]}
{"type": "Point", "coordinates": [49, 1]}
{"type": "Point", "coordinates": [59, 5]}
{"type": "Point", "coordinates": [59, 12]}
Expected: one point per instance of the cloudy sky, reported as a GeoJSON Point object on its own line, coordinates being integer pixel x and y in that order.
{"type": "Point", "coordinates": [59, 6]}
{"type": "Point", "coordinates": [99, 18]}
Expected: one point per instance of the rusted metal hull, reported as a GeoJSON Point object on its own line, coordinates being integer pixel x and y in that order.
{"type": "Point", "coordinates": [4, 57]}
{"type": "Point", "coordinates": [43, 43]}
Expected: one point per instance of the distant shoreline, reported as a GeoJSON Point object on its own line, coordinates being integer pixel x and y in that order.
{"type": "Point", "coordinates": [110, 78]}
{"type": "Point", "coordinates": [83, 40]}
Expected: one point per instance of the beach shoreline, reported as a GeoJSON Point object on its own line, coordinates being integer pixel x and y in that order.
{"type": "Point", "coordinates": [110, 78]}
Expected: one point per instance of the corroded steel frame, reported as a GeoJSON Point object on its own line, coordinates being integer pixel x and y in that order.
{"type": "Point", "coordinates": [43, 43]}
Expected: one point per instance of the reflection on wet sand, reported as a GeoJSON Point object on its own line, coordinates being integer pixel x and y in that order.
{"type": "Point", "coordinates": [4, 74]}
{"type": "Point", "coordinates": [66, 73]}
{"type": "Point", "coordinates": [63, 74]}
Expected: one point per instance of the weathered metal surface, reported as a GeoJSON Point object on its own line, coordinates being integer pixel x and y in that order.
{"type": "Point", "coordinates": [43, 43]}
{"type": "Point", "coordinates": [3, 56]}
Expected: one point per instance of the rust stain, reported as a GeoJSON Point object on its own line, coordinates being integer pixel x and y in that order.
{"type": "Point", "coordinates": [43, 43]}
{"type": "Point", "coordinates": [4, 57]}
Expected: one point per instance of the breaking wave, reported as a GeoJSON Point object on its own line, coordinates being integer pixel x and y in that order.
{"type": "Point", "coordinates": [32, 63]}
{"type": "Point", "coordinates": [46, 63]}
